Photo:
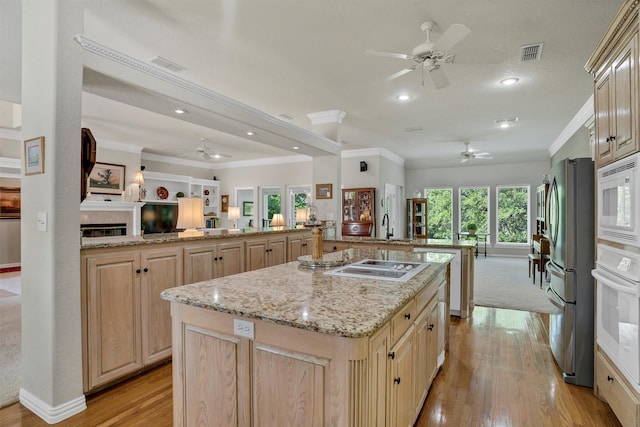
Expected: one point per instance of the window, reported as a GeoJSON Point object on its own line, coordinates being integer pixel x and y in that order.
{"type": "Point", "coordinates": [474, 208]}
{"type": "Point", "coordinates": [270, 203]}
{"type": "Point", "coordinates": [512, 214]}
{"type": "Point", "coordinates": [439, 213]}
{"type": "Point", "coordinates": [298, 198]}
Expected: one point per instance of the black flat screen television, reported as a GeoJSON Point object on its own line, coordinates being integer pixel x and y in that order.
{"type": "Point", "coordinates": [159, 217]}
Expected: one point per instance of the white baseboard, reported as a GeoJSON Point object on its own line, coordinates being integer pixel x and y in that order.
{"type": "Point", "coordinates": [12, 265]}
{"type": "Point", "coordinates": [52, 414]}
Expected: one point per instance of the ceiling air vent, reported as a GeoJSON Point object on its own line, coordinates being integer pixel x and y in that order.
{"type": "Point", "coordinates": [286, 116]}
{"type": "Point", "coordinates": [530, 52]}
{"type": "Point", "coordinates": [166, 64]}
{"type": "Point", "coordinates": [413, 129]}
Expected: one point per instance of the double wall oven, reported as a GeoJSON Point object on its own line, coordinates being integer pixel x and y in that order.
{"type": "Point", "coordinates": [618, 266]}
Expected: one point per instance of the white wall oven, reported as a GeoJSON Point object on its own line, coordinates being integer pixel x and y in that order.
{"type": "Point", "coordinates": [618, 201]}
{"type": "Point", "coordinates": [618, 274]}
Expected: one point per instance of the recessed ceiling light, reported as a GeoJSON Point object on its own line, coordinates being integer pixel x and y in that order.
{"type": "Point", "coordinates": [509, 81]}
{"type": "Point", "coordinates": [296, 148]}
{"type": "Point", "coordinates": [250, 133]}
{"type": "Point", "coordinates": [180, 111]}
{"type": "Point", "coordinates": [505, 123]}
{"type": "Point", "coordinates": [403, 97]}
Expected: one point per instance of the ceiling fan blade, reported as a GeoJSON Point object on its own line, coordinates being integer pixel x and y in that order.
{"type": "Point", "coordinates": [389, 54]}
{"type": "Point", "coordinates": [464, 160]}
{"type": "Point", "coordinates": [483, 157]}
{"type": "Point", "coordinates": [454, 34]}
{"type": "Point", "coordinates": [438, 78]}
{"type": "Point", "coordinates": [206, 155]}
{"type": "Point", "coordinates": [484, 153]}
{"type": "Point", "coordinates": [399, 73]}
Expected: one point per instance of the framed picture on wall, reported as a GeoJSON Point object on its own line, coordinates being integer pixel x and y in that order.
{"type": "Point", "coordinates": [323, 191]}
{"type": "Point", "coordinates": [9, 202]}
{"type": "Point", "coordinates": [224, 203]}
{"type": "Point", "coordinates": [247, 208]}
{"type": "Point", "coordinates": [34, 156]}
{"type": "Point", "coordinates": [106, 178]}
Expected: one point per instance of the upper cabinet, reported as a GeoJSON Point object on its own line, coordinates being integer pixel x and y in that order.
{"type": "Point", "coordinates": [358, 211]}
{"type": "Point", "coordinates": [615, 71]}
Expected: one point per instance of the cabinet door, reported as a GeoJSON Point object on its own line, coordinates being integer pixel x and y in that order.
{"type": "Point", "coordinates": [423, 364]}
{"type": "Point", "coordinates": [432, 335]}
{"type": "Point", "coordinates": [603, 122]}
{"type": "Point", "coordinates": [295, 247]}
{"type": "Point", "coordinates": [113, 317]}
{"type": "Point", "coordinates": [256, 254]}
{"type": "Point", "coordinates": [277, 251]}
{"type": "Point", "coordinates": [624, 70]}
{"type": "Point", "coordinates": [230, 259]}
{"type": "Point", "coordinates": [161, 269]}
{"type": "Point", "coordinates": [307, 246]}
{"type": "Point", "coordinates": [401, 381]}
{"type": "Point", "coordinates": [198, 263]}
{"type": "Point", "coordinates": [301, 401]}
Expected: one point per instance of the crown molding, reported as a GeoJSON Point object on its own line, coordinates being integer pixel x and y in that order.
{"type": "Point", "coordinates": [118, 146]}
{"type": "Point", "coordinates": [377, 151]}
{"type": "Point", "coordinates": [10, 134]}
{"type": "Point", "coordinates": [226, 165]}
{"type": "Point", "coordinates": [330, 116]}
{"type": "Point", "coordinates": [583, 116]}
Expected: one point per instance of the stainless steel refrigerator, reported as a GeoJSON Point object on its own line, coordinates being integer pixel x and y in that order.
{"type": "Point", "coordinates": [570, 213]}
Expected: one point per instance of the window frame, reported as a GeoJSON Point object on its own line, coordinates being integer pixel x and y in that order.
{"type": "Point", "coordinates": [528, 214]}
{"type": "Point", "coordinates": [425, 192]}
{"type": "Point", "coordinates": [475, 187]}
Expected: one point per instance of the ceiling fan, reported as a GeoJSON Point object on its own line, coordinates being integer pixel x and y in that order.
{"type": "Point", "coordinates": [468, 153]}
{"type": "Point", "coordinates": [430, 55]}
{"type": "Point", "coordinates": [206, 153]}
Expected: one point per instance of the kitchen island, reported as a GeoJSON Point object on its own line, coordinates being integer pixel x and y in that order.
{"type": "Point", "coordinates": [287, 345]}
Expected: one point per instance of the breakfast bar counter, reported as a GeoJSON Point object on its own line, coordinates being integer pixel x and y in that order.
{"type": "Point", "coordinates": [290, 345]}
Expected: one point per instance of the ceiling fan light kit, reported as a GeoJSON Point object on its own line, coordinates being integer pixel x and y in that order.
{"type": "Point", "coordinates": [470, 154]}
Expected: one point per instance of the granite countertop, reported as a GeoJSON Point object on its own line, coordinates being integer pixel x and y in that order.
{"type": "Point", "coordinates": [435, 243]}
{"type": "Point", "coordinates": [292, 295]}
{"type": "Point", "coordinates": [155, 238]}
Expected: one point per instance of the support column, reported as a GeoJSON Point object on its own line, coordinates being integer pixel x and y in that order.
{"type": "Point", "coordinates": [51, 383]}
{"type": "Point", "coordinates": [328, 169]}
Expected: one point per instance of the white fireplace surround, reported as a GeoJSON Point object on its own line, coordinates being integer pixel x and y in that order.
{"type": "Point", "coordinates": [103, 212]}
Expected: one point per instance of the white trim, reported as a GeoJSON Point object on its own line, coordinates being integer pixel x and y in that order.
{"type": "Point", "coordinates": [51, 414]}
{"type": "Point", "coordinates": [330, 116]}
{"type": "Point", "coordinates": [11, 265]}
{"type": "Point", "coordinates": [10, 134]}
{"type": "Point", "coordinates": [376, 151]}
{"type": "Point", "coordinates": [9, 162]}
{"type": "Point", "coordinates": [118, 146]}
{"type": "Point", "coordinates": [580, 119]}
{"type": "Point", "coordinates": [227, 165]}
{"type": "Point", "coordinates": [10, 175]}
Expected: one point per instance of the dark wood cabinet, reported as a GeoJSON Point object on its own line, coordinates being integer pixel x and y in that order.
{"type": "Point", "coordinates": [358, 212]}
{"type": "Point", "coordinates": [417, 218]}
{"type": "Point", "coordinates": [541, 210]}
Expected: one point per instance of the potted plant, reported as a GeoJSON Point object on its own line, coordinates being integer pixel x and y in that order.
{"type": "Point", "coordinates": [472, 228]}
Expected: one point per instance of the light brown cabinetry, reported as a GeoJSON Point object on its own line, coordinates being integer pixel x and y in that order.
{"type": "Point", "coordinates": [267, 252]}
{"type": "Point", "coordinates": [612, 387]}
{"type": "Point", "coordinates": [614, 65]}
{"type": "Point", "coordinates": [205, 261]}
{"type": "Point", "coordinates": [358, 212]}
{"type": "Point", "coordinates": [298, 245]}
{"type": "Point", "coordinates": [417, 218]}
{"type": "Point", "coordinates": [128, 325]}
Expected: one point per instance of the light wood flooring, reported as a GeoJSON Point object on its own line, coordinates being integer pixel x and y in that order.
{"type": "Point", "coordinates": [498, 372]}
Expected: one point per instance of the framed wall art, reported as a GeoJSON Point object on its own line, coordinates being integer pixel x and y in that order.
{"type": "Point", "coordinates": [323, 191]}
{"type": "Point", "coordinates": [106, 178]}
{"type": "Point", "coordinates": [247, 208]}
{"type": "Point", "coordinates": [9, 202]}
{"type": "Point", "coordinates": [34, 156]}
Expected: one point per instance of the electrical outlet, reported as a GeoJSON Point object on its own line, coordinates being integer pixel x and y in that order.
{"type": "Point", "coordinates": [243, 328]}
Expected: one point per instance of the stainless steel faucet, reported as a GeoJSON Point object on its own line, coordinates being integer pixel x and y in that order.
{"type": "Point", "coordinates": [385, 221]}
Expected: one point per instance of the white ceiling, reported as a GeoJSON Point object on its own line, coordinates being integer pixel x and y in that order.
{"type": "Point", "coordinates": [300, 57]}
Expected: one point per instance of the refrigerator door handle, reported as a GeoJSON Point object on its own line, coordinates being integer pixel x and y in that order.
{"type": "Point", "coordinates": [554, 299]}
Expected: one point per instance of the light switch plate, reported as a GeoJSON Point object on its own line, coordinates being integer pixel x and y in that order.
{"type": "Point", "coordinates": [42, 221]}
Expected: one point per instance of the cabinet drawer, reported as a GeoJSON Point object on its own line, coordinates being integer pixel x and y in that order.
{"type": "Point", "coordinates": [402, 320]}
{"type": "Point", "coordinates": [614, 390]}
{"type": "Point", "coordinates": [425, 295]}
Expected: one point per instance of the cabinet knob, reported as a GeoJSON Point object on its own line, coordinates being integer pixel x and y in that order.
{"type": "Point", "coordinates": [396, 380]}
{"type": "Point", "coordinates": [407, 316]}
{"type": "Point", "coordinates": [145, 269]}
{"type": "Point", "coordinates": [431, 327]}
{"type": "Point", "coordinates": [215, 258]}
{"type": "Point", "coordinates": [609, 378]}
{"type": "Point", "coordinates": [138, 271]}
{"type": "Point", "coordinates": [391, 355]}
{"type": "Point", "coordinates": [220, 258]}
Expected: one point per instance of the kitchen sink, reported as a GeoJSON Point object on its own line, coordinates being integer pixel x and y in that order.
{"type": "Point", "coordinates": [397, 271]}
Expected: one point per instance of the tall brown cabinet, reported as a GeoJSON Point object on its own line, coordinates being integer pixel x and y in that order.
{"type": "Point", "coordinates": [417, 218]}
{"type": "Point", "coordinates": [358, 212]}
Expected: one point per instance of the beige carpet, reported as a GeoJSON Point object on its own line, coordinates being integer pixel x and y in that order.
{"type": "Point", "coordinates": [504, 283]}
{"type": "Point", "coordinates": [10, 364]}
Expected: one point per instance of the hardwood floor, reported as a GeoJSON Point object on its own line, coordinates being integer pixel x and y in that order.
{"type": "Point", "coordinates": [498, 372]}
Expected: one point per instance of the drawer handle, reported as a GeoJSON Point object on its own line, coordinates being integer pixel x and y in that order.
{"type": "Point", "coordinates": [138, 271]}
{"type": "Point", "coordinates": [431, 327]}
{"type": "Point", "coordinates": [609, 378]}
{"type": "Point", "coordinates": [145, 270]}
{"type": "Point", "coordinates": [391, 355]}
{"type": "Point", "coordinates": [407, 316]}
{"type": "Point", "coordinates": [396, 380]}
